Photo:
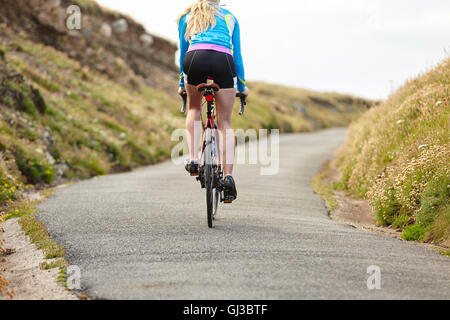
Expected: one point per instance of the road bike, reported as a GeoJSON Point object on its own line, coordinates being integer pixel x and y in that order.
{"type": "Point", "coordinates": [211, 165]}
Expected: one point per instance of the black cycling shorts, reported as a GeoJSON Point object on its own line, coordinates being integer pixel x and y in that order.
{"type": "Point", "coordinates": [198, 65]}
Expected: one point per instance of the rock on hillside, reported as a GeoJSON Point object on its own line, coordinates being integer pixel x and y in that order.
{"type": "Point", "coordinates": [105, 42]}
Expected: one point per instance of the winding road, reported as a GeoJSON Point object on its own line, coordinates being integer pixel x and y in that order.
{"type": "Point", "coordinates": [143, 235]}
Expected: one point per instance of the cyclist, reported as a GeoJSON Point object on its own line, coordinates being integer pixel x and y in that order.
{"type": "Point", "coordinates": [210, 47]}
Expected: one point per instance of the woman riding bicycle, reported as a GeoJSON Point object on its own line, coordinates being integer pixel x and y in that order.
{"type": "Point", "coordinates": [210, 48]}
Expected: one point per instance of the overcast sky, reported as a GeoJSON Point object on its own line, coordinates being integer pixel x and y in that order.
{"type": "Point", "coordinates": [362, 47]}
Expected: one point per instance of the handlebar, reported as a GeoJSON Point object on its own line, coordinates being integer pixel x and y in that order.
{"type": "Point", "coordinates": [183, 107]}
{"type": "Point", "coordinates": [243, 102]}
{"type": "Point", "coordinates": [238, 95]}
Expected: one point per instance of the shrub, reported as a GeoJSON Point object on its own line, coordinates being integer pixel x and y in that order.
{"type": "Point", "coordinates": [8, 101]}
{"type": "Point", "coordinates": [33, 169]}
{"type": "Point", "coordinates": [415, 232]}
{"type": "Point", "coordinates": [28, 106]}
{"type": "Point", "coordinates": [401, 221]}
{"type": "Point", "coordinates": [8, 189]}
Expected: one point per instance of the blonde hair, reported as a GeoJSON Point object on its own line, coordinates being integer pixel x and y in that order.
{"type": "Point", "coordinates": [203, 15]}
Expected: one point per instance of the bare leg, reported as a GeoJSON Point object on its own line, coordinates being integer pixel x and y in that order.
{"type": "Point", "coordinates": [224, 102]}
{"type": "Point", "coordinates": [193, 116]}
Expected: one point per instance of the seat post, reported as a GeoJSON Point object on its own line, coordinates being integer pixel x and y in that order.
{"type": "Point", "coordinates": [210, 103]}
{"type": "Point", "coordinates": [209, 88]}
{"type": "Point", "coordinates": [210, 91]}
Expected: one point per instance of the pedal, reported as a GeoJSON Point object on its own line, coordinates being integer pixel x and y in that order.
{"type": "Point", "coordinates": [228, 201]}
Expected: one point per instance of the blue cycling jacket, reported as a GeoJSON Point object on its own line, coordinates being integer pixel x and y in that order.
{"type": "Point", "coordinates": [226, 33]}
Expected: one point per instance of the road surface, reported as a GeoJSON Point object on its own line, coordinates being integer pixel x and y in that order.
{"type": "Point", "coordinates": [143, 235]}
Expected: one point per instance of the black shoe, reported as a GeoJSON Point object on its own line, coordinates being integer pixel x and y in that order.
{"type": "Point", "coordinates": [192, 168]}
{"type": "Point", "coordinates": [229, 189]}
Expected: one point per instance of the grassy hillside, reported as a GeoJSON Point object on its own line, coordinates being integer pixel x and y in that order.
{"type": "Point", "coordinates": [294, 110]}
{"type": "Point", "coordinates": [397, 156]}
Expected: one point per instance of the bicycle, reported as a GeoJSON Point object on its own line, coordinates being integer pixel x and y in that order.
{"type": "Point", "coordinates": [210, 165]}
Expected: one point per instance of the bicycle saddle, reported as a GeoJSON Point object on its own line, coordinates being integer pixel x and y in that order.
{"type": "Point", "coordinates": [204, 86]}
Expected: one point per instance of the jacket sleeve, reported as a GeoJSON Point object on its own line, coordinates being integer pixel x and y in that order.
{"type": "Point", "coordinates": [184, 46]}
{"type": "Point", "coordinates": [238, 57]}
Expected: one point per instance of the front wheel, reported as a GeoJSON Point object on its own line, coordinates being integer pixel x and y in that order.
{"type": "Point", "coordinates": [216, 203]}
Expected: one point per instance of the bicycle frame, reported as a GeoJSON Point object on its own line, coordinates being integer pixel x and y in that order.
{"type": "Point", "coordinates": [210, 124]}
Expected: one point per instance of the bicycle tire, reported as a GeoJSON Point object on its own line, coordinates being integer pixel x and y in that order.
{"type": "Point", "coordinates": [217, 175]}
{"type": "Point", "coordinates": [216, 204]}
{"type": "Point", "coordinates": [209, 178]}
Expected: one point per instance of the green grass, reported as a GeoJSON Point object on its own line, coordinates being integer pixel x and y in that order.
{"type": "Point", "coordinates": [414, 232]}
{"type": "Point", "coordinates": [59, 263]}
{"type": "Point", "coordinates": [445, 252]}
{"type": "Point", "coordinates": [33, 167]}
{"type": "Point", "coordinates": [88, 5]}
{"type": "Point", "coordinates": [29, 107]}
{"type": "Point", "coordinates": [401, 221]}
{"type": "Point", "coordinates": [8, 101]}
{"type": "Point", "coordinates": [38, 234]}
{"type": "Point", "coordinates": [62, 276]}
{"type": "Point", "coordinates": [41, 81]}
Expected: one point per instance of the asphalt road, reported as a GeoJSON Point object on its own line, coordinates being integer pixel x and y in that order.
{"type": "Point", "coordinates": [143, 235]}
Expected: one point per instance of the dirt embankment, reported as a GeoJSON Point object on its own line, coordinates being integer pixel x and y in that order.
{"type": "Point", "coordinates": [104, 38]}
{"type": "Point", "coordinates": [22, 268]}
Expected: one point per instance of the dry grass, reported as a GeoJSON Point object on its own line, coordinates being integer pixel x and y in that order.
{"type": "Point", "coordinates": [397, 156]}
{"type": "Point", "coordinates": [298, 110]}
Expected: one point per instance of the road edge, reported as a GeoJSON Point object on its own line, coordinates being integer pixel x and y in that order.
{"type": "Point", "coordinates": [326, 183]}
{"type": "Point", "coordinates": [33, 271]}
